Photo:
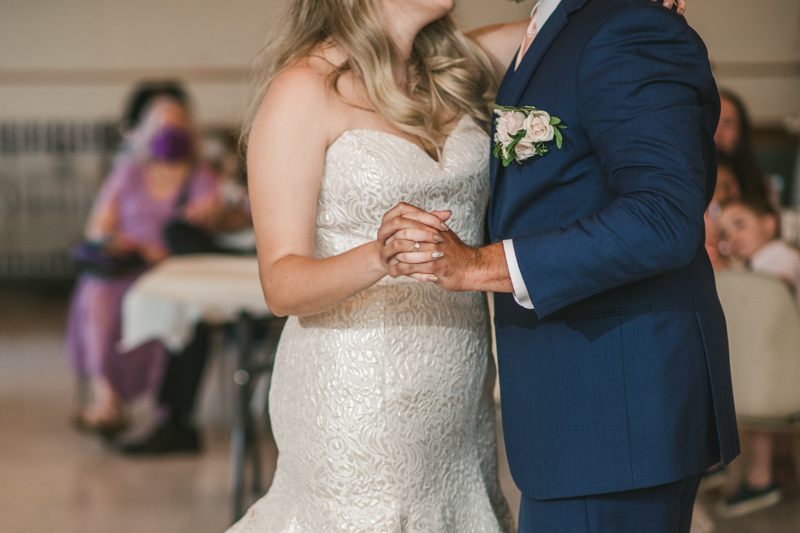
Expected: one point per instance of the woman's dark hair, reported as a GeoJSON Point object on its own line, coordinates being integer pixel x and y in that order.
{"type": "Point", "coordinates": [726, 160]}
{"type": "Point", "coordinates": [748, 172]}
{"type": "Point", "coordinates": [145, 93]}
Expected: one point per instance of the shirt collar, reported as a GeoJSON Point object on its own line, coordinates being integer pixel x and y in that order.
{"type": "Point", "coordinates": [545, 8]}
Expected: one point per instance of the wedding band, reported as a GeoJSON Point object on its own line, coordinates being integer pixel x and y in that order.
{"type": "Point", "coordinates": [416, 247]}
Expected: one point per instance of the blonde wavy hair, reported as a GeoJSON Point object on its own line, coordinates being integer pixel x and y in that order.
{"type": "Point", "coordinates": [447, 74]}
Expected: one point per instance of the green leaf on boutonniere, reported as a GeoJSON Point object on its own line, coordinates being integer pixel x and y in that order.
{"type": "Point", "coordinates": [504, 108]}
{"type": "Point", "coordinates": [512, 156]}
{"type": "Point", "coordinates": [558, 137]}
{"type": "Point", "coordinates": [554, 121]}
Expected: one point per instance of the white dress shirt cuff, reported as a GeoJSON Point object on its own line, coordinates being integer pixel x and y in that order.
{"type": "Point", "coordinates": [520, 290]}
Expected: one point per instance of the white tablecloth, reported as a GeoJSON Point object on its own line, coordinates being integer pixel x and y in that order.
{"type": "Point", "coordinates": [167, 302]}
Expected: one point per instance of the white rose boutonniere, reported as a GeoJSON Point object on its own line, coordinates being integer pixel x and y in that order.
{"type": "Point", "coordinates": [521, 133]}
{"type": "Point", "coordinates": [508, 125]}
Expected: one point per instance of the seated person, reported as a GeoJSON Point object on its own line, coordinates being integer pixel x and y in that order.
{"type": "Point", "coordinates": [158, 180]}
{"type": "Point", "coordinates": [727, 189]}
{"type": "Point", "coordinates": [751, 230]}
{"type": "Point", "coordinates": [221, 230]}
{"type": "Point", "coordinates": [734, 138]}
{"type": "Point", "coordinates": [177, 397]}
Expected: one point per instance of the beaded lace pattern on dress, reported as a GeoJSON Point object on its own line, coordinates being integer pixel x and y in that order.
{"type": "Point", "coordinates": [382, 407]}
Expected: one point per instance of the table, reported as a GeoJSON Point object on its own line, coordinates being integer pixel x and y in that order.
{"type": "Point", "coordinates": [166, 304]}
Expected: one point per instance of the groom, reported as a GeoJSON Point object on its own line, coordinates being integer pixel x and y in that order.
{"type": "Point", "coordinates": [611, 341]}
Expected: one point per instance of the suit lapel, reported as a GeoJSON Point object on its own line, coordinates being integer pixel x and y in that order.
{"type": "Point", "coordinates": [534, 55]}
{"type": "Point", "coordinates": [515, 82]}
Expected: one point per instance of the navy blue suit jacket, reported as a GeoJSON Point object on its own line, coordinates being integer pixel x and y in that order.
{"type": "Point", "coordinates": [619, 379]}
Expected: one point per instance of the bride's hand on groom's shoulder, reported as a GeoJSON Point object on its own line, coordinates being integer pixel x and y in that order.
{"type": "Point", "coordinates": [681, 5]}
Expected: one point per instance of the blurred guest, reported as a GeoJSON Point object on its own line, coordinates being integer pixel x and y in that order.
{"type": "Point", "coordinates": [139, 103]}
{"type": "Point", "coordinates": [175, 431]}
{"type": "Point", "coordinates": [727, 188]}
{"type": "Point", "coordinates": [232, 214]}
{"type": "Point", "coordinates": [177, 397]}
{"type": "Point", "coordinates": [751, 230]}
{"type": "Point", "coordinates": [159, 179]}
{"type": "Point", "coordinates": [233, 195]}
{"type": "Point", "coordinates": [734, 138]}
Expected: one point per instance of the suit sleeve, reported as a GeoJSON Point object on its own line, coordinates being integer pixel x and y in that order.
{"type": "Point", "coordinates": [641, 82]}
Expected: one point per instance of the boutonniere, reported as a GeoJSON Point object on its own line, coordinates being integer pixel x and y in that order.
{"type": "Point", "coordinates": [523, 131]}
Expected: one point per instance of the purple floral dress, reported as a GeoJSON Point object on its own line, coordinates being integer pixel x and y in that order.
{"type": "Point", "coordinates": [94, 323]}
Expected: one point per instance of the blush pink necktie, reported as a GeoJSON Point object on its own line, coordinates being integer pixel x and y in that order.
{"type": "Point", "coordinates": [530, 33]}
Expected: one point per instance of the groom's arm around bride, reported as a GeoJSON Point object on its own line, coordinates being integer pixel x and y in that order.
{"type": "Point", "coordinates": [615, 375]}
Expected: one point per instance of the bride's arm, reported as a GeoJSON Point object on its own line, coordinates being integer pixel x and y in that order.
{"type": "Point", "coordinates": [285, 159]}
{"type": "Point", "coordinates": [501, 41]}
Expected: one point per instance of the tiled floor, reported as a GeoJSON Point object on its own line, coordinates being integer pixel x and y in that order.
{"type": "Point", "coordinates": [53, 479]}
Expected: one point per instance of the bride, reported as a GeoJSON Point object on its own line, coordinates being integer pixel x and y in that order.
{"type": "Point", "coordinates": [381, 399]}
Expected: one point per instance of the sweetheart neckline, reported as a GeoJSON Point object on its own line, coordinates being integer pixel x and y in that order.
{"type": "Point", "coordinates": [457, 127]}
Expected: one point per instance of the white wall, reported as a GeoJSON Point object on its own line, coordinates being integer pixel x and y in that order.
{"type": "Point", "coordinates": [745, 37]}
{"type": "Point", "coordinates": [78, 58]}
{"type": "Point", "coordinates": [47, 48]}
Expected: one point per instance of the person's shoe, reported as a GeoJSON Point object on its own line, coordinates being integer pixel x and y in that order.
{"type": "Point", "coordinates": [78, 422]}
{"type": "Point", "coordinates": [748, 500]}
{"type": "Point", "coordinates": [106, 425]}
{"type": "Point", "coordinates": [166, 438]}
{"type": "Point", "coordinates": [714, 477]}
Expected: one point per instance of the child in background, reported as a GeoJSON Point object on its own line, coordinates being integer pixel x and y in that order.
{"type": "Point", "coordinates": [727, 189]}
{"type": "Point", "coordinates": [751, 231]}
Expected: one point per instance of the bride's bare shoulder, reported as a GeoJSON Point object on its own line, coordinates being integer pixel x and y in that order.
{"type": "Point", "coordinates": [302, 80]}
{"type": "Point", "coordinates": [301, 94]}
{"type": "Point", "coordinates": [307, 81]}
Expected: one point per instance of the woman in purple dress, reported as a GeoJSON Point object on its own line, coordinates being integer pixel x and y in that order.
{"type": "Point", "coordinates": [158, 180]}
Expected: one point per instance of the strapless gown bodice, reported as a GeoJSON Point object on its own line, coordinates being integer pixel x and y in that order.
{"type": "Point", "coordinates": [382, 407]}
{"type": "Point", "coordinates": [367, 172]}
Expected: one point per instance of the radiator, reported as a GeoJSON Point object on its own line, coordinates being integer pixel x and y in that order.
{"type": "Point", "coordinates": [49, 175]}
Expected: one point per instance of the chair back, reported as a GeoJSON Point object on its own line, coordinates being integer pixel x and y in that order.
{"type": "Point", "coordinates": [764, 335]}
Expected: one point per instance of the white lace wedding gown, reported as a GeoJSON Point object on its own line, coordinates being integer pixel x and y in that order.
{"type": "Point", "coordinates": [382, 407]}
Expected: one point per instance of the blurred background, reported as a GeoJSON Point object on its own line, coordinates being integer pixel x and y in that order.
{"type": "Point", "coordinates": [92, 92]}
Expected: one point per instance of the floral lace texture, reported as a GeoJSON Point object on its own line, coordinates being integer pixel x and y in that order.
{"type": "Point", "coordinates": [382, 407]}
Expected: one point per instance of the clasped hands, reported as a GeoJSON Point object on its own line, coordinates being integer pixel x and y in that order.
{"type": "Point", "coordinates": [420, 245]}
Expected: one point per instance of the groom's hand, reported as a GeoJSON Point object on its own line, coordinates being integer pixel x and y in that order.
{"type": "Point", "coordinates": [451, 265]}
{"type": "Point", "coordinates": [447, 262]}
